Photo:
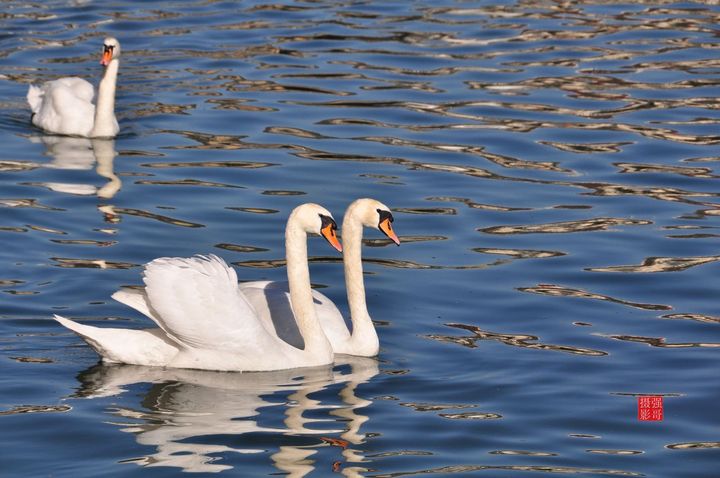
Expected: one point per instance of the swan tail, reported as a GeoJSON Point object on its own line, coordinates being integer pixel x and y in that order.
{"type": "Point", "coordinates": [34, 98]}
{"type": "Point", "coordinates": [94, 336]}
{"type": "Point", "coordinates": [138, 347]}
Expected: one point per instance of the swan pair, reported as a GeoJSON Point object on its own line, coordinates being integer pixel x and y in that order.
{"type": "Point", "coordinates": [64, 106]}
{"type": "Point", "coordinates": [207, 321]}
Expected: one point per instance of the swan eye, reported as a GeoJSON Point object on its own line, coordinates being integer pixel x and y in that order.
{"type": "Point", "coordinates": [108, 54]}
{"type": "Point", "coordinates": [385, 225]}
{"type": "Point", "coordinates": [385, 216]}
{"type": "Point", "coordinates": [328, 229]}
{"type": "Point", "coordinates": [327, 221]}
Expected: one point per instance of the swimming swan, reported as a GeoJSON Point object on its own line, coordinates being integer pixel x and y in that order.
{"type": "Point", "coordinates": [64, 106]}
{"type": "Point", "coordinates": [363, 341]}
{"type": "Point", "coordinates": [207, 323]}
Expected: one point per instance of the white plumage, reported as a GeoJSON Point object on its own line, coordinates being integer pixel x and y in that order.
{"type": "Point", "coordinates": [206, 322]}
{"type": "Point", "coordinates": [65, 106]}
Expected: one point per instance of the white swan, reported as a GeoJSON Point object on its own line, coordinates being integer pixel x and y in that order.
{"type": "Point", "coordinates": [205, 320]}
{"type": "Point", "coordinates": [64, 106]}
{"type": "Point", "coordinates": [266, 297]}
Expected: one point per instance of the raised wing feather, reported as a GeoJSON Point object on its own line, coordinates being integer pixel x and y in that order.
{"type": "Point", "coordinates": [137, 299]}
{"type": "Point", "coordinates": [196, 302]}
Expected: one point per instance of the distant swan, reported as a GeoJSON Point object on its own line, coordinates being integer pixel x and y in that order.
{"type": "Point", "coordinates": [363, 341]}
{"type": "Point", "coordinates": [64, 106]}
{"type": "Point", "coordinates": [207, 323]}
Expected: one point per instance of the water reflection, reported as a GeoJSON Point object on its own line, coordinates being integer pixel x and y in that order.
{"type": "Point", "coordinates": [693, 445]}
{"type": "Point", "coordinates": [555, 290]}
{"type": "Point", "coordinates": [515, 340]}
{"type": "Point", "coordinates": [186, 415]}
{"type": "Point", "coordinates": [660, 264]}
{"type": "Point", "coordinates": [561, 470]}
{"type": "Point", "coordinates": [594, 224]}
{"type": "Point", "coordinates": [81, 153]}
{"type": "Point", "coordinates": [698, 317]}
{"type": "Point", "coordinates": [663, 343]}
{"type": "Point", "coordinates": [20, 409]}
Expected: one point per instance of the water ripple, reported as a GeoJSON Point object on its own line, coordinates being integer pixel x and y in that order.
{"type": "Point", "coordinates": [563, 470]}
{"type": "Point", "coordinates": [517, 143]}
{"type": "Point", "coordinates": [515, 340]}
{"type": "Point", "coordinates": [693, 445]}
{"type": "Point", "coordinates": [22, 409]}
{"type": "Point", "coordinates": [156, 217]}
{"type": "Point", "coordinates": [660, 264]}
{"type": "Point", "coordinates": [560, 291]}
{"type": "Point", "coordinates": [662, 343]}
{"type": "Point", "coordinates": [594, 224]}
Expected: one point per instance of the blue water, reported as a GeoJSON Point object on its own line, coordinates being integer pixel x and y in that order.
{"type": "Point", "coordinates": [552, 171]}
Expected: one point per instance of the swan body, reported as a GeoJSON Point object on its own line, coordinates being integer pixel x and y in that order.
{"type": "Point", "coordinates": [64, 106]}
{"type": "Point", "coordinates": [205, 322]}
{"type": "Point", "coordinates": [267, 297]}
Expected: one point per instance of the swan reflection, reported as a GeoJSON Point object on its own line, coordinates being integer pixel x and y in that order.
{"type": "Point", "coordinates": [185, 412]}
{"type": "Point", "coordinates": [69, 152]}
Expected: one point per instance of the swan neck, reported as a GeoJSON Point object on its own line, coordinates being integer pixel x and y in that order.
{"type": "Point", "coordinates": [105, 124]}
{"type": "Point", "coordinates": [298, 273]}
{"type": "Point", "coordinates": [363, 328]}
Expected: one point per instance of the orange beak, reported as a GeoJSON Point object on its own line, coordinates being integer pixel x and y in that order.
{"type": "Point", "coordinates": [328, 232]}
{"type": "Point", "coordinates": [106, 56]}
{"type": "Point", "coordinates": [386, 227]}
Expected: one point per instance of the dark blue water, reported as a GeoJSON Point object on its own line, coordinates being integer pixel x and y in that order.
{"type": "Point", "coordinates": [552, 171]}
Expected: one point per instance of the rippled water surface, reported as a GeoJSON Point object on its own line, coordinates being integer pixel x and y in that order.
{"type": "Point", "coordinates": [552, 168]}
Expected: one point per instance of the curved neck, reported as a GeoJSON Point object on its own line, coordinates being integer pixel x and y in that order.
{"type": "Point", "coordinates": [301, 299]}
{"type": "Point", "coordinates": [105, 122]}
{"type": "Point", "coordinates": [363, 330]}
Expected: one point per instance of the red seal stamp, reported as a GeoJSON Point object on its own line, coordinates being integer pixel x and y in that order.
{"type": "Point", "coordinates": [650, 408]}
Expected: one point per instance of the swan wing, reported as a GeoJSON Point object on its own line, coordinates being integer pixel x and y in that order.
{"type": "Point", "coordinates": [63, 106]}
{"type": "Point", "coordinates": [34, 98]}
{"type": "Point", "coordinates": [196, 302]}
{"type": "Point", "coordinates": [136, 299]}
{"type": "Point", "coordinates": [83, 90]}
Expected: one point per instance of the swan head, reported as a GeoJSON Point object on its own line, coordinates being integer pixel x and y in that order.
{"type": "Point", "coordinates": [374, 214]}
{"type": "Point", "coordinates": [111, 50]}
{"type": "Point", "coordinates": [315, 219]}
